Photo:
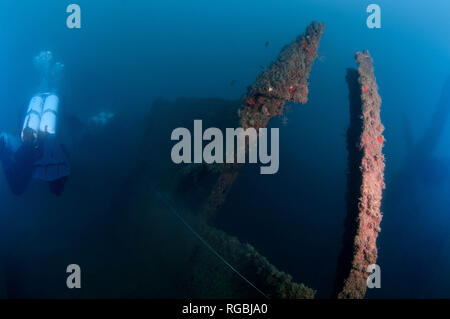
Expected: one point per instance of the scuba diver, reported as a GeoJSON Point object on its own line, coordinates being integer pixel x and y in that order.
{"type": "Point", "coordinates": [36, 152]}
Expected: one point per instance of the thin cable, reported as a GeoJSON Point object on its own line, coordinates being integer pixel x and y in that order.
{"type": "Point", "coordinates": [173, 211]}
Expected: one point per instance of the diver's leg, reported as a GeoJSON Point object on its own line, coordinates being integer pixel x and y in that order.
{"type": "Point", "coordinates": [19, 168]}
{"type": "Point", "coordinates": [6, 157]}
{"type": "Point", "coordinates": [57, 186]}
{"type": "Point", "coordinates": [17, 182]}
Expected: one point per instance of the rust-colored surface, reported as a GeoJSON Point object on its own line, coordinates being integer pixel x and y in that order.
{"type": "Point", "coordinates": [285, 80]}
{"type": "Point", "coordinates": [372, 170]}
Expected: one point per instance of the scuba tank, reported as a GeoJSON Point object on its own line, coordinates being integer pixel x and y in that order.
{"type": "Point", "coordinates": [42, 114]}
{"type": "Point", "coordinates": [49, 114]}
{"type": "Point", "coordinates": [33, 116]}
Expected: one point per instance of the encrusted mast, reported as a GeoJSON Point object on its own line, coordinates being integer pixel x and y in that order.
{"type": "Point", "coordinates": [372, 172]}
{"type": "Point", "coordinates": [285, 80]}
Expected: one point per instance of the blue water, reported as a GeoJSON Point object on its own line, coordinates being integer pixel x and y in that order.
{"type": "Point", "coordinates": [128, 53]}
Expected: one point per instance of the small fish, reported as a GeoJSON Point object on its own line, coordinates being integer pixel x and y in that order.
{"type": "Point", "coordinates": [233, 82]}
{"type": "Point", "coordinates": [266, 44]}
{"type": "Point", "coordinates": [262, 68]}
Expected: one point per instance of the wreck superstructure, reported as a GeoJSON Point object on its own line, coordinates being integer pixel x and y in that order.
{"type": "Point", "coordinates": [372, 172]}
{"type": "Point", "coordinates": [285, 80]}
